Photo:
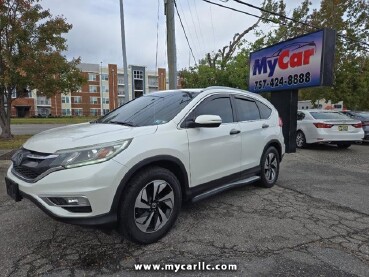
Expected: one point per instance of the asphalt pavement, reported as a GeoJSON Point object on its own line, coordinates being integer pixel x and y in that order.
{"type": "Point", "coordinates": [314, 222]}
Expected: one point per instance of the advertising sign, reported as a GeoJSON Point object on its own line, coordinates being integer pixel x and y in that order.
{"type": "Point", "coordinates": [304, 61]}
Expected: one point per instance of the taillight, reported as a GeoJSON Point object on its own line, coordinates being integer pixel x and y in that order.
{"type": "Point", "coordinates": [358, 125]}
{"type": "Point", "coordinates": [322, 125]}
{"type": "Point", "coordinates": [280, 122]}
{"type": "Point", "coordinates": [365, 123]}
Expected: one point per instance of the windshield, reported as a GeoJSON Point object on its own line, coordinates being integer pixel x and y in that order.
{"type": "Point", "coordinates": [328, 115]}
{"type": "Point", "coordinates": [152, 109]}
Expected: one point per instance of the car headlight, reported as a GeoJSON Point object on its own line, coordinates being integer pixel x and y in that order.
{"type": "Point", "coordinates": [75, 157]}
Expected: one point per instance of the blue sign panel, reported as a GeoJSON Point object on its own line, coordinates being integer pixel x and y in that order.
{"type": "Point", "coordinates": [292, 64]}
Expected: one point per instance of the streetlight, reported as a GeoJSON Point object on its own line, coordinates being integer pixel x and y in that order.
{"type": "Point", "coordinates": [124, 52]}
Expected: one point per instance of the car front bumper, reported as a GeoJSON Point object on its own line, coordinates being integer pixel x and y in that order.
{"type": "Point", "coordinates": [98, 183]}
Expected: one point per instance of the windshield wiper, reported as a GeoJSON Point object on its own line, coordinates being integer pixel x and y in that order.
{"type": "Point", "coordinates": [130, 124]}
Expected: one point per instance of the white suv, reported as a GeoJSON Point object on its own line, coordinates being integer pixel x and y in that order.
{"type": "Point", "coordinates": [135, 166]}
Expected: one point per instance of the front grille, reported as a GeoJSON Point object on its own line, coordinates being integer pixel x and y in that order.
{"type": "Point", "coordinates": [26, 172]}
{"type": "Point", "coordinates": [29, 165]}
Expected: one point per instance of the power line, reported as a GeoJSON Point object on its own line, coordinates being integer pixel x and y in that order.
{"type": "Point", "coordinates": [193, 22]}
{"type": "Point", "coordinates": [187, 27]}
{"type": "Point", "coordinates": [295, 20]}
{"type": "Point", "coordinates": [239, 11]}
{"type": "Point", "coordinates": [282, 16]}
{"type": "Point", "coordinates": [198, 20]}
{"type": "Point", "coordinates": [274, 13]}
{"type": "Point", "coordinates": [212, 25]}
{"type": "Point", "coordinates": [184, 31]}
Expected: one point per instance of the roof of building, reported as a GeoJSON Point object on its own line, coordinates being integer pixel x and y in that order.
{"type": "Point", "coordinates": [88, 67]}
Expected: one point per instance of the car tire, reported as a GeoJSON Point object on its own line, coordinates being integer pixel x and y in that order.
{"type": "Point", "coordinates": [150, 205]}
{"type": "Point", "coordinates": [300, 139]}
{"type": "Point", "coordinates": [343, 145]}
{"type": "Point", "coordinates": [269, 168]}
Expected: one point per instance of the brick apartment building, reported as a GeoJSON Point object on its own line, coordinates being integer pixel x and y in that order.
{"type": "Point", "coordinates": [103, 92]}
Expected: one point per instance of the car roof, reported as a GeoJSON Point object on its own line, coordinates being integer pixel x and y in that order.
{"type": "Point", "coordinates": [224, 90]}
{"type": "Point", "coordinates": [212, 89]}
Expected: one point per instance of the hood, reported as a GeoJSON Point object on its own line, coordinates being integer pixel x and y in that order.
{"type": "Point", "coordinates": [84, 134]}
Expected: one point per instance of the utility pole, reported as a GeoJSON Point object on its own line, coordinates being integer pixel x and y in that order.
{"type": "Point", "coordinates": [171, 44]}
{"type": "Point", "coordinates": [125, 66]}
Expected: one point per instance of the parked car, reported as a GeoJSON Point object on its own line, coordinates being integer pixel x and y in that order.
{"type": "Point", "coordinates": [136, 165]}
{"type": "Point", "coordinates": [325, 126]}
{"type": "Point", "coordinates": [363, 117]}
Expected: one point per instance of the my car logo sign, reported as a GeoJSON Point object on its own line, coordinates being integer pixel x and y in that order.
{"type": "Point", "coordinates": [293, 64]}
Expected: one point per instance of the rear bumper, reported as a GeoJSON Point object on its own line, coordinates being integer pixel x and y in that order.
{"type": "Point", "coordinates": [348, 137]}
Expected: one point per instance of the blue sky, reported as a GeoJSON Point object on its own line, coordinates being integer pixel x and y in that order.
{"type": "Point", "coordinates": [95, 36]}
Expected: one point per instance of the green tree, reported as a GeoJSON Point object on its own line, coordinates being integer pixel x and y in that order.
{"type": "Point", "coordinates": [31, 46]}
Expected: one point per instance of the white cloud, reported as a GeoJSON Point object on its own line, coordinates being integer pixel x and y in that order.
{"type": "Point", "coordinates": [96, 29]}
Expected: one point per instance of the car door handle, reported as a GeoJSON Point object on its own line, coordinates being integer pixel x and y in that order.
{"type": "Point", "coordinates": [234, 132]}
{"type": "Point", "coordinates": [264, 126]}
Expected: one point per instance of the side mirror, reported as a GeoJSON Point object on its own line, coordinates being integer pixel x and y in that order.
{"type": "Point", "coordinates": [207, 121]}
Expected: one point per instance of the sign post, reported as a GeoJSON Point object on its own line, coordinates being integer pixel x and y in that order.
{"type": "Point", "coordinates": [283, 68]}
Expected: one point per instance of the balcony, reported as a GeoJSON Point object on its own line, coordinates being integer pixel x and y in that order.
{"type": "Point", "coordinates": [41, 102]}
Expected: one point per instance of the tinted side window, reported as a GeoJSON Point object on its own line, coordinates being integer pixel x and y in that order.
{"type": "Point", "coordinates": [246, 110]}
{"type": "Point", "coordinates": [217, 106]}
{"type": "Point", "coordinates": [265, 111]}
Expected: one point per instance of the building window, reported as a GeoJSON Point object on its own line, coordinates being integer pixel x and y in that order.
{"type": "Point", "coordinates": [105, 77]}
{"type": "Point", "coordinates": [105, 100]}
{"type": "Point", "coordinates": [92, 76]}
{"type": "Point", "coordinates": [121, 101]}
{"type": "Point", "coordinates": [65, 112]}
{"type": "Point", "coordinates": [153, 81]}
{"type": "Point", "coordinates": [14, 93]}
{"type": "Point", "coordinates": [138, 74]}
{"type": "Point", "coordinates": [120, 81]}
{"type": "Point", "coordinates": [120, 92]}
{"type": "Point", "coordinates": [106, 111]}
{"type": "Point", "coordinates": [105, 89]}
{"type": "Point", "coordinates": [77, 99]}
{"type": "Point", "coordinates": [65, 99]}
{"type": "Point", "coordinates": [92, 88]}
{"type": "Point", "coordinates": [42, 100]}
{"type": "Point", "coordinates": [77, 112]}
{"type": "Point", "coordinates": [94, 112]}
{"type": "Point", "coordinates": [94, 100]}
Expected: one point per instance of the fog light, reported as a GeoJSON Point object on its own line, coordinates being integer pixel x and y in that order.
{"type": "Point", "coordinates": [67, 201]}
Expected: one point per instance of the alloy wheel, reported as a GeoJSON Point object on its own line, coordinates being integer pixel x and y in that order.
{"type": "Point", "coordinates": [270, 167]}
{"type": "Point", "coordinates": [299, 139]}
{"type": "Point", "coordinates": [153, 206]}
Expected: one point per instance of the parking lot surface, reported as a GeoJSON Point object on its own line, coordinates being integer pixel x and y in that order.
{"type": "Point", "coordinates": [314, 222]}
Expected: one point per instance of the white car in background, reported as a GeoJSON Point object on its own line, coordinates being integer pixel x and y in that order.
{"type": "Point", "coordinates": [325, 126]}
